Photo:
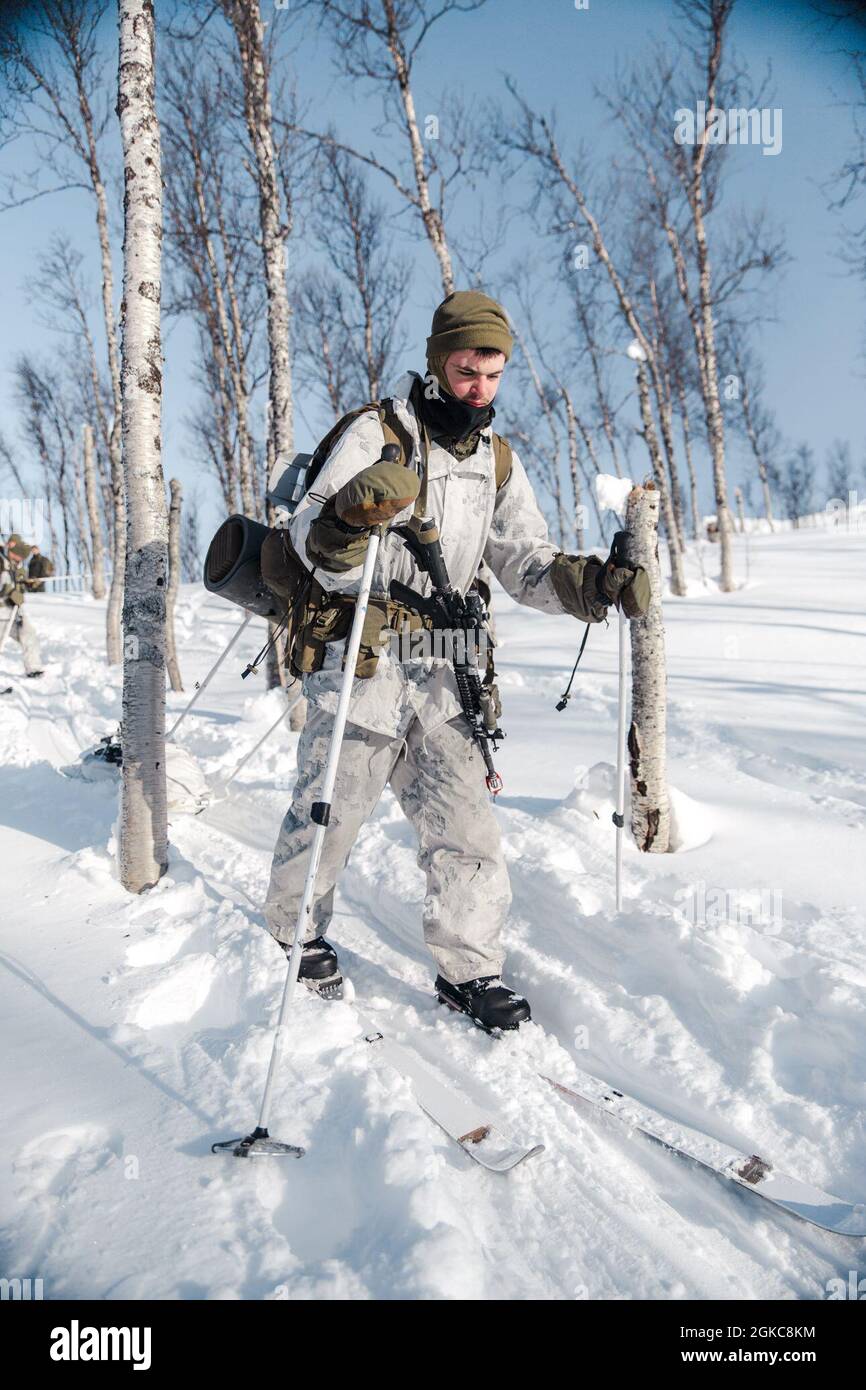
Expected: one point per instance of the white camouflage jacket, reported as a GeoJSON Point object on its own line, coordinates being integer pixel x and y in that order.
{"type": "Point", "coordinates": [504, 527]}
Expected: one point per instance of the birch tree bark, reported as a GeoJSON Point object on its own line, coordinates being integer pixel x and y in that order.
{"type": "Point", "coordinates": [69, 31]}
{"type": "Point", "coordinates": [245, 18]}
{"type": "Point", "coordinates": [650, 806]}
{"type": "Point", "coordinates": [738, 495]}
{"type": "Point", "coordinates": [174, 529]}
{"type": "Point", "coordinates": [143, 818]}
{"type": "Point", "coordinates": [536, 139]}
{"type": "Point", "coordinates": [757, 421]}
{"type": "Point", "coordinates": [97, 548]}
{"type": "Point", "coordinates": [690, 463]}
{"type": "Point", "coordinates": [664, 503]}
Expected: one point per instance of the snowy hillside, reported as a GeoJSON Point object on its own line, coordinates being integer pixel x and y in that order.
{"type": "Point", "coordinates": [730, 993]}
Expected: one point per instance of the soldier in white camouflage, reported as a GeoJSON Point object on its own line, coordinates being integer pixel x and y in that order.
{"type": "Point", "coordinates": [406, 728]}
{"type": "Point", "coordinates": [14, 622]}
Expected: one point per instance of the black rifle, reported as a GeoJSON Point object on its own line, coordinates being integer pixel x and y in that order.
{"type": "Point", "coordinates": [450, 611]}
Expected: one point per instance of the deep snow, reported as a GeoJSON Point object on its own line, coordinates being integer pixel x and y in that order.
{"type": "Point", "coordinates": [135, 1031]}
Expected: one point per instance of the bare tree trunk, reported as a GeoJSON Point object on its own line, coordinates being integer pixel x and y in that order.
{"type": "Point", "coordinates": [97, 548]}
{"type": "Point", "coordinates": [115, 596]}
{"type": "Point", "coordinates": [690, 463]}
{"type": "Point", "coordinates": [571, 434]}
{"type": "Point", "coordinates": [246, 20]}
{"type": "Point", "coordinates": [650, 807]}
{"type": "Point", "coordinates": [82, 540]}
{"type": "Point", "coordinates": [242, 392]}
{"type": "Point", "coordinates": [115, 593]}
{"type": "Point", "coordinates": [143, 815]}
{"type": "Point", "coordinates": [715, 425]}
{"type": "Point", "coordinates": [678, 581]}
{"type": "Point", "coordinates": [740, 512]}
{"type": "Point", "coordinates": [433, 224]}
{"type": "Point", "coordinates": [752, 433]}
{"type": "Point", "coordinates": [629, 313]}
{"type": "Point", "coordinates": [660, 373]}
{"type": "Point", "coordinates": [231, 351]}
{"type": "Point", "coordinates": [572, 418]}
{"type": "Point", "coordinates": [174, 527]}
{"type": "Point", "coordinates": [247, 23]}
{"type": "Point", "coordinates": [718, 15]}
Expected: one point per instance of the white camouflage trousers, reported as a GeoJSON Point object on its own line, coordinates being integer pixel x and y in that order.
{"type": "Point", "coordinates": [438, 779]}
{"type": "Point", "coordinates": [25, 635]}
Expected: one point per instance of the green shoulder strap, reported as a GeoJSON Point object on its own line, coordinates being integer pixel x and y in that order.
{"type": "Point", "coordinates": [395, 432]}
{"type": "Point", "coordinates": [501, 459]}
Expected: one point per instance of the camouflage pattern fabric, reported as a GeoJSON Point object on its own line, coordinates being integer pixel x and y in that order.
{"type": "Point", "coordinates": [438, 779]}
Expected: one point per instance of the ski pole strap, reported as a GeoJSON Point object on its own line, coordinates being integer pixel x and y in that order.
{"type": "Point", "coordinates": [252, 668]}
{"type": "Point", "coordinates": [567, 696]}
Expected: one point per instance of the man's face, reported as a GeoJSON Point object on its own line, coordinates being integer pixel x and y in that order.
{"type": "Point", "coordinates": [474, 379]}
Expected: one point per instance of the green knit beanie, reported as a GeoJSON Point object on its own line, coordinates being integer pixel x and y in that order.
{"type": "Point", "coordinates": [466, 319]}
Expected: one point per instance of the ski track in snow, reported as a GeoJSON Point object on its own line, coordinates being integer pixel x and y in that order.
{"type": "Point", "coordinates": [138, 1030]}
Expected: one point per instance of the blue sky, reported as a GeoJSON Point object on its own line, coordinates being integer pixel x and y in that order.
{"type": "Point", "coordinates": [557, 54]}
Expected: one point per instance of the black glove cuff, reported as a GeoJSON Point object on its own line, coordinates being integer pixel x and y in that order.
{"type": "Point", "coordinates": [346, 528]}
{"type": "Point", "coordinates": [599, 586]}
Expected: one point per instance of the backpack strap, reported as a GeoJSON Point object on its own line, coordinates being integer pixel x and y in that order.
{"type": "Point", "coordinates": [501, 459]}
{"type": "Point", "coordinates": [396, 432]}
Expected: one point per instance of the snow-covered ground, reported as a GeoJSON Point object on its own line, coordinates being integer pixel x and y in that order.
{"type": "Point", "coordinates": [730, 992]}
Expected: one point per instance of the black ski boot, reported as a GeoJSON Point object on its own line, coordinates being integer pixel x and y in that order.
{"type": "Point", "coordinates": [487, 1001]}
{"type": "Point", "coordinates": [319, 970]}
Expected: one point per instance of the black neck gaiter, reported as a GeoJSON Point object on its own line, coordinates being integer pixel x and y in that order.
{"type": "Point", "coordinates": [446, 415]}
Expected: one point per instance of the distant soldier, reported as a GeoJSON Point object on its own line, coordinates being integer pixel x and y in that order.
{"type": "Point", "coordinates": [14, 580]}
{"type": "Point", "coordinates": [39, 569]}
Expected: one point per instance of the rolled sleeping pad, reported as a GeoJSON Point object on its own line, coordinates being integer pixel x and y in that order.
{"type": "Point", "coordinates": [233, 569]}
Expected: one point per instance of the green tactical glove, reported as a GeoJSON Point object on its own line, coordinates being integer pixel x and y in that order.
{"type": "Point", "coordinates": [376, 494]}
{"type": "Point", "coordinates": [586, 586]}
{"type": "Point", "coordinates": [575, 580]}
{"type": "Point", "coordinates": [337, 539]}
{"type": "Point", "coordinates": [629, 587]}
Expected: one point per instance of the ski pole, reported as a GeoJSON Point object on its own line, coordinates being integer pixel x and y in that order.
{"type": "Point", "coordinates": [618, 558]}
{"type": "Point", "coordinates": [619, 814]}
{"type": "Point", "coordinates": [212, 672]}
{"type": "Point", "coordinates": [260, 1142]}
{"type": "Point", "coordinates": [7, 629]}
{"type": "Point", "coordinates": [245, 759]}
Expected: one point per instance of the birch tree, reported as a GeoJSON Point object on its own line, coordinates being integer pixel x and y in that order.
{"type": "Point", "coordinates": [174, 568]}
{"type": "Point", "coordinates": [53, 66]}
{"type": "Point", "coordinates": [97, 548]}
{"type": "Point", "coordinates": [363, 283]}
{"type": "Point", "coordinates": [380, 43]}
{"type": "Point", "coordinates": [198, 142]}
{"type": "Point", "coordinates": [535, 138]}
{"type": "Point", "coordinates": [246, 21]}
{"type": "Point", "coordinates": [756, 421]}
{"type": "Point", "coordinates": [650, 805]}
{"type": "Point", "coordinates": [143, 819]}
{"type": "Point", "coordinates": [49, 428]}
{"type": "Point", "coordinates": [190, 543]}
